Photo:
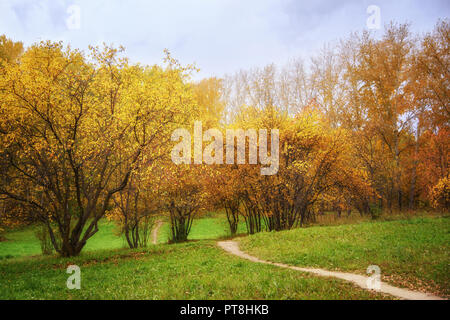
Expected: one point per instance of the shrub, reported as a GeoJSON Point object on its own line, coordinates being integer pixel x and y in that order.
{"type": "Point", "coordinates": [440, 194]}
{"type": "Point", "coordinates": [44, 240]}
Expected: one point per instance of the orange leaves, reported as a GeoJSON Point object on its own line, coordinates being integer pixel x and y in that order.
{"type": "Point", "coordinates": [440, 194]}
{"type": "Point", "coordinates": [208, 95]}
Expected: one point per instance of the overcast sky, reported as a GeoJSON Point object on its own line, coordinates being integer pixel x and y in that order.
{"type": "Point", "coordinates": [220, 36]}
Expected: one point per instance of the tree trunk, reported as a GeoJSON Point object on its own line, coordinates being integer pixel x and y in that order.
{"type": "Point", "coordinates": [412, 190]}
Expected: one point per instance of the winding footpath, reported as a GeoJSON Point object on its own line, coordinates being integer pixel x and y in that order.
{"type": "Point", "coordinates": [361, 281]}
{"type": "Point", "coordinates": [155, 230]}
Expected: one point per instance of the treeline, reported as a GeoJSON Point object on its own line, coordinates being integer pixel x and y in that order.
{"type": "Point", "coordinates": [392, 96]}
{"type": "Point", "coordinates": [363, 126]}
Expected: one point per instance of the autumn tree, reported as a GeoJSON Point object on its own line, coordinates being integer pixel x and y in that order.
{"type": "Point", "coordinates": [10, 51]}
{"type": "Point", "coordinates": [387, 92]}
{"type": "Point", "coordinates": [313, 161]}
{"type": "Point", "coordinates": [440, 194]}
{"type": "Point", "coordinates": [210, 104]}
{"type": "Point", "coordinates": [184, 196]}
{"type": "Point", "coordinates": [377, 73]}
{"type": "Point", "coordinates": [430, 76]}
{"type": "Point", "coordinates": [224, 190]}
{"type": "Point", "coordinates": [135, 209]}
{"type": "Point", "coordinates": [69, 123]}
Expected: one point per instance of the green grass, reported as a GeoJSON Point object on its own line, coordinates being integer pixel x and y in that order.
{"type": "Point", "coordinates": [412, 253]}
{"type": "Point", "coordinates": [210, 227]}
{"type": "Point", "coordinates": [20, 243]}
{"type": "Point", "coordinates": [23, 242]}
{"type": "Point", "coordinates": [195, 270]}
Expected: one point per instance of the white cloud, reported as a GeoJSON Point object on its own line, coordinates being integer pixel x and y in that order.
{"type": "Point", "coordinates": [220, 36]}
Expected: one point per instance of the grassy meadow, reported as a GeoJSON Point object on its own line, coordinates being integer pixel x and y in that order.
{"type": "Point", "coordinates": [411, 253]}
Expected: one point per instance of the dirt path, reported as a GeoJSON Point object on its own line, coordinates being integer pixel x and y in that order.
{"type": "Point", "coordinates": [155, 230]}
{"type": "Point", "coordinates": [361, 281]}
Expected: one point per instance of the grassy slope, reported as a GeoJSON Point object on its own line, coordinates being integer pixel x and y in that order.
{"type": "Point", "coordinates": [413, 250]}
{"type": "Point", "coordinates": [195, 270]}
{"type": "Point", "coordinates": [23, 242]}
{"type": "Point", "coordinates": [409, 252]}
